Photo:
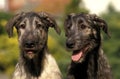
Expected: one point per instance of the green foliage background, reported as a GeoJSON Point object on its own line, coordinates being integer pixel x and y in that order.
{"type": "Point", "coordinates": [112, 46]}
{"type": "Point", "coordinates": [9, 49]}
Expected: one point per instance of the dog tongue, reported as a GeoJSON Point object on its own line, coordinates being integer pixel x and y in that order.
{"type": "Point", "coordinates": [30, 52]}
{"type": "Point", "coordinates": [76, 57]}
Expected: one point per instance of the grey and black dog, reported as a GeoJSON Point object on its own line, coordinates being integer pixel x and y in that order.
{"type": "Point", "coordinates": [35, 62]}
{"type": "Point", "coordinates": [84, 39]}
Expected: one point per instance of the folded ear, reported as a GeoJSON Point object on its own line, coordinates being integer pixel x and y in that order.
{"type": "Point", "coordinates": [11, 23]}
{"type": "Point", "coordinates": [50, 21]}
{"type": "Point", "coordinates": [100, 22]}
{"type": "Point", "coordinates": [68, 22]}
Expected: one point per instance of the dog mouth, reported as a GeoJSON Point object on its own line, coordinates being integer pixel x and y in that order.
{"type": "Point", "coordinates": [29, 52]}
{"type": "Point", "coordinates": [79, 55]}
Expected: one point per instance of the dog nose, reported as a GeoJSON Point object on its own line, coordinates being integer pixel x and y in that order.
{"type": "Point", "coordinates": [70, 44]}
{"type": "Point", "coordinates": [29, 44]}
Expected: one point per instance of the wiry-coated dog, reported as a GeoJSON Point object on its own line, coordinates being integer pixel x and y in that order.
{"type": "Point", "coordinates": [84, 39]}
{"type": "Point", "coordinates": [35, 62]}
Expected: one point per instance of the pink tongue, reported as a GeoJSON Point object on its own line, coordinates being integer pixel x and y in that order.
{"type": "Point", "coordinates": [76, 57]}
{"type": "Point", "coordinates": [29, 52]}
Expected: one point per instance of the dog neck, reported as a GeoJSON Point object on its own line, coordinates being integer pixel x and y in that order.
{"type": "Point", "coordinates": [84, 67]}
{"type": "Point", "coordinates": [91, 67]}
{"type": "Point", "coordinates": [33, 67]}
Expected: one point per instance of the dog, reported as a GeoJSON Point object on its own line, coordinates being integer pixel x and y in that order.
{"type": "Point", "coordinates": [83, 33]}
{"type": "Point", "coordinates": [35, 61]}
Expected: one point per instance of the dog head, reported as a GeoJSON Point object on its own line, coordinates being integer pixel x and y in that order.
{"type": "Point", "coordinates": [32, 30]}
{"type": "Point", "coordinates": [83, 34]}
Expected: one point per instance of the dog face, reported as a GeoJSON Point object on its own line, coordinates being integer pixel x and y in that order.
{"type": "Point", "coordinates": [83, 34]}
{"type": "Point", "coordinates": [32, 29]}
{"type": "Point", "coordinates": [32, 33]}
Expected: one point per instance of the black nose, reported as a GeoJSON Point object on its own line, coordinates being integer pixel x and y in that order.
{"type": "Point", "coordinates": [70, 44]}
{"type": "Point", "coordinates": [29, 44]}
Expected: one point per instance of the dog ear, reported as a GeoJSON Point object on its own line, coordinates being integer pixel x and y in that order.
{"type": "Point", "coordinates": [11, 23]}
{"type": "Point", "coordinates": [68, 22]}
{"type": "Point", "coordinates": [50, 21]}
{"type": "Point", "coordinates": [100, 22]}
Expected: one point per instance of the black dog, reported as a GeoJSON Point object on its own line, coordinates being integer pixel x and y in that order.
{"type": "Point", "coordinates": [84, 39]}
{"type": "Point", "coordinates": [35, 61]}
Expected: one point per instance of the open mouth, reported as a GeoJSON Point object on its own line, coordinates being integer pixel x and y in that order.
{"type": "Point", "coordinates": [30, 52]}
{"type": "Point", "coordinates": [78, 55]}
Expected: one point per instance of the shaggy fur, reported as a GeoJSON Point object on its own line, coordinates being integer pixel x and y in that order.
{"type": "Point", "coordinates": [35, 62]}
{"type": "Point", "coordinates": [84, 39]}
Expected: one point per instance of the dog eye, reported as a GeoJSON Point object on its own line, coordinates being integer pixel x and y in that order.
{"type": "Point", "coordinates": [22, 26]}
{"type": "Point", "coordinates": [83, 26]}
{"type": "Point", "coordinates": [38, 25]}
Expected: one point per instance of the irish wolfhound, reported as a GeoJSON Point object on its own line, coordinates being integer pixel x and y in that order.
{"type": "Point", "coordinates": [35, 61]}
{"type": "Point", "coordinates": [84, 39]}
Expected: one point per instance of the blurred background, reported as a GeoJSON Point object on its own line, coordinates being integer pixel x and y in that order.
{"type": "Point", "coordinates": [107, 9]}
